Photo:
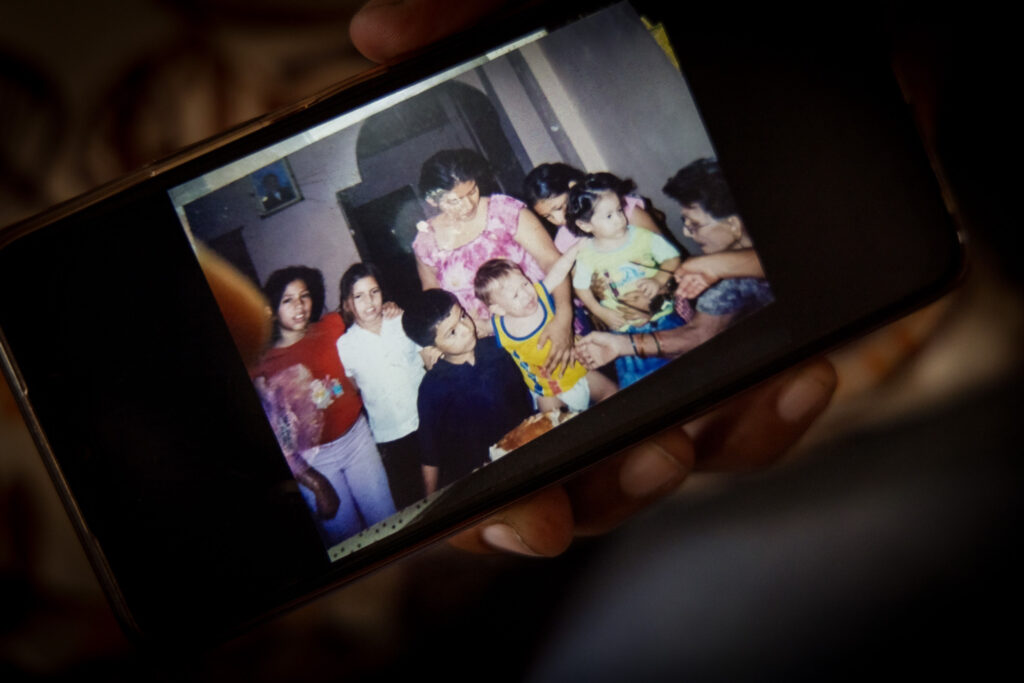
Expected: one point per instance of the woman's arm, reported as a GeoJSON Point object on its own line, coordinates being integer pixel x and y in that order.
{"type": "Point", "coordinates": [601, 348]}
{"type": "Point", "coordinates": [428, 276]}
{"type": "Point", "coordinates": [532, 236]}
{"type": "Point", "coordinates": [723, 264]}
{"type": "Point", "coordinates": [326, 497]}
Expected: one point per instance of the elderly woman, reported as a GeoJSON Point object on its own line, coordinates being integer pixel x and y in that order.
{"type": "Point", "coordinates": [470, 229]}
{"type": "Point", "coordinates": [726, 282]}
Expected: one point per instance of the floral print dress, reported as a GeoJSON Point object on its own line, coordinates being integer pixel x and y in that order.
{"type": "Point", "coordinates": [457, 267]}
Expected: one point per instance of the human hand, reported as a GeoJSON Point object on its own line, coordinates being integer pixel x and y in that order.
{"type": "Point", "coordinates": [327, 501]}
{"type": "Point", "coordinates": [386, 30]}
{"type": "Point", "coordinates": [390, 310]}
{"type": "Point", "coordinates": [600, 348]}
{"type": "Point", "coordinates": [430, 355]}
{"type": "Point", "coordinates": [694, 272]}
{"type": "Point", "coordinates": [691, 285]}
{"type": "Point", "coordinates": [649, 287]}
{"type": "Point", "coordinates": [751, 430]}
{"type": "Point", "coordinates": [562, 352]}
{"type": "Point", "coordinates": [612, 319]}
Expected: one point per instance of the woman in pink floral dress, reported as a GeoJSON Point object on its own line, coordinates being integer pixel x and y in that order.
{"type": "Point", "coordinates": [469, 230]}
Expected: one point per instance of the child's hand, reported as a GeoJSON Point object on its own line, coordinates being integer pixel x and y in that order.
{"type": "Point", "coordinates": [574, 250]}
{"type": "Point", "coordinates": [649, 287]}
{"type": "Point", "coordinates": [613, 319]}
{"type": "Point", "coordinates": [430, 355]}
{"type": "Point", "coordinates": [391, 310]}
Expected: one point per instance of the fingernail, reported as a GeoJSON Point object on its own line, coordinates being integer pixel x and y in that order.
{"type": "Point", "coordinates": [649, 472]}
{"type": "Point", "coordinates": [807, 395]}
{"type": "Point", "coordinates": [505, 538]}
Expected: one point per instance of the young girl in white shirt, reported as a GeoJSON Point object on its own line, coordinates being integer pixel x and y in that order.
{"type": "Point", "coordinates": [386, 366]}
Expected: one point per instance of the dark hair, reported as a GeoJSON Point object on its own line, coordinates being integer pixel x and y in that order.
{"type": "Point", "coordinates": [446, 169]}
{"type": "Point", "coordinates": [427, 309]}
{"type": "Point", "coordinates": [489, 273]}
{"type": "Point", "coordinates": [585, 193]}
{"type": "Point", "coordinates": [355, 273]}
{"type": "Point", "coordinates": [549, 180]}
{"type": "Point", "coordinates": [279, 281]}
{"type": "Point", "coordinates": [702, 183]}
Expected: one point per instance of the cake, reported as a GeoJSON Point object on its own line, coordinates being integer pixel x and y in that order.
{"type": "Point", "coordinates": [528, 430]}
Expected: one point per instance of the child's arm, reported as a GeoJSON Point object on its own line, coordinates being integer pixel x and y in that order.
{"type": "Point", "coordinates": [561, 268]}
{"type": "Point", "coordinates": [650, 286]}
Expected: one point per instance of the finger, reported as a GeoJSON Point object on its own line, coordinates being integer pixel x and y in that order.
{"type": "Point", "coordinates": [617, 488]}
{"type": "Point", "coordinates": [557, 361]}
{"type": "Point", "coordinates": [757, 427]}
{"type": "Point", "coordinates": [384, 30]}
{"type": "Point", "coordinates": [241, 303]}
{"type": "Point", "coordinates": [540, 525]}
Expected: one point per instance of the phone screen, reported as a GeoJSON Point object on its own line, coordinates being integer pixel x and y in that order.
{"type": "Point", "coordinates": [569, 171]}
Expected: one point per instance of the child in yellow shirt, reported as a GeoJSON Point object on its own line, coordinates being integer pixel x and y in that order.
{"type": "Point", "coordinates": [520, 310]}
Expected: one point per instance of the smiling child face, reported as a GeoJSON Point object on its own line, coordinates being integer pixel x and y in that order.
{"type": "Point", "coordinates": [295, 308]}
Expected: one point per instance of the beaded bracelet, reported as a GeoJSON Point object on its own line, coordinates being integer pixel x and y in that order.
{"type": "Point", "coordinates": [656, 343]}
{"type": "Point", "coordinates": [633, 343]}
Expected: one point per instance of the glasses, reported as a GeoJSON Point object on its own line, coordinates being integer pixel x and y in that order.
{"type": "Point", "coordinates": [694, 230]}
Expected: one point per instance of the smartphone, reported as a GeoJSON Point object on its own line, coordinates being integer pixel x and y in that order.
{"type": "Point", "coordinates": [212, 493]}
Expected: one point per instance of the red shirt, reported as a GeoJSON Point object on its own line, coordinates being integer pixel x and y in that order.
{"type": "Point", "coordinates": [310, 374]}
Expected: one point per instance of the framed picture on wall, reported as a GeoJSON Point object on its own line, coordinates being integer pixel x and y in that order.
{"type": "Point", "coordinates": [275, 187]}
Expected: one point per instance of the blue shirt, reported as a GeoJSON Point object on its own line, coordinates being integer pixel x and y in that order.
{"type": "Point", "coordinates": [735, 295]}
{"type": "Point", "coordinates": [465, 409]}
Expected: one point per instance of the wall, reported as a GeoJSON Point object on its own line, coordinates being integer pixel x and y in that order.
{"type": "Point", "coordinates": [647, 136]}
{"type": "Point", "coordinates": [312, 232]}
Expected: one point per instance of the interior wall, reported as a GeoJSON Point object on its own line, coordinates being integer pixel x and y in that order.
{"type": "Point", "coordinates": [591, 88]}
{"type": "Point", "coordinates": [312, 232]}
{"type": "Point", "coordinates": [627, 101]}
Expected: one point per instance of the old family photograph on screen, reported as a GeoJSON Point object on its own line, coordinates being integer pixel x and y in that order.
{"type": "Point", "coordinates": [467, 263]}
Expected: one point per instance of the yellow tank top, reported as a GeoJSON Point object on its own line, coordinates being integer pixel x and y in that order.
{"type": "Point", "coordinates": [530, 359]}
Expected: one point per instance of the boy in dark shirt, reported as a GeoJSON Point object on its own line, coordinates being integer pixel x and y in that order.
{"type": "Point", "coordinates": [473, 395]}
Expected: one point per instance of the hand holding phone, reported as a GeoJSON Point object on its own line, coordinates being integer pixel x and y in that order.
{"type": "Point", "coordinates": [208, 195]}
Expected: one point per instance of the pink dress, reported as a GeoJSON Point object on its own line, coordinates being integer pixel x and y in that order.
{"type": "Point", "coordinates": [565, 237]}
{"type": "Point", "coordinates": [456, 268]}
